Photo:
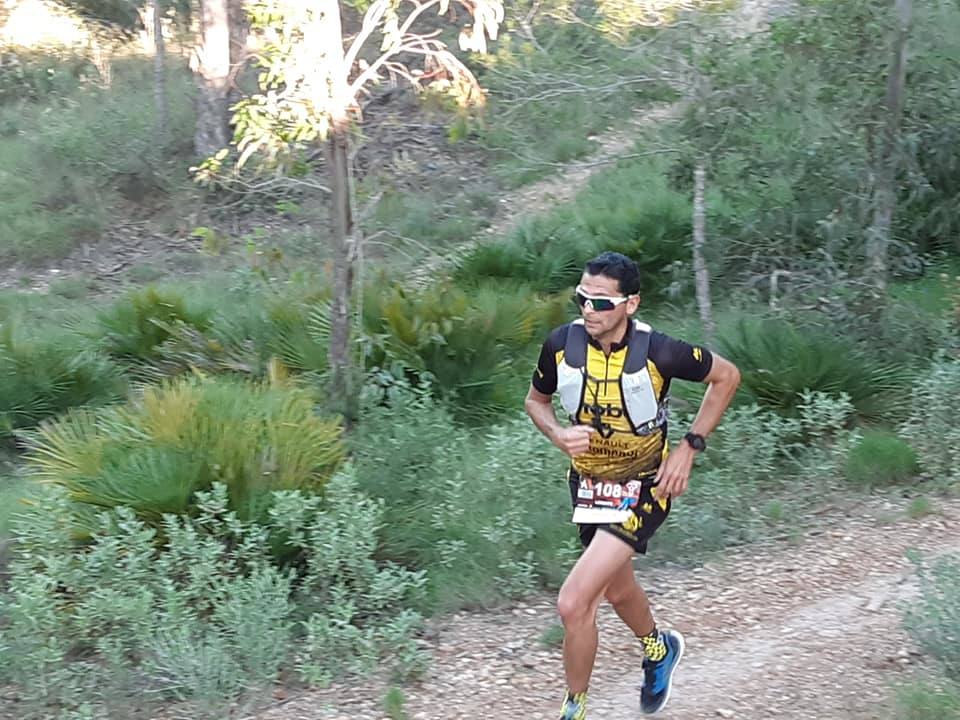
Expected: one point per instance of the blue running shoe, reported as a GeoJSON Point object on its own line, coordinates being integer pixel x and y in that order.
{"type": "Point", "coordinates": [658, 675]}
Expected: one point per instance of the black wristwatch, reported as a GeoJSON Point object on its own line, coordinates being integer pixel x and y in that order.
{"type": "Point", "coordinates": [695, 441]}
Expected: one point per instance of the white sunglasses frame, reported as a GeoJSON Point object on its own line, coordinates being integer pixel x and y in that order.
{"type": "Point", "coordinates": [617, 301]}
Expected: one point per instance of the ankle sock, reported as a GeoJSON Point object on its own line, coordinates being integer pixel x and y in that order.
{"type": "Point", "coordinates": [653, 646]}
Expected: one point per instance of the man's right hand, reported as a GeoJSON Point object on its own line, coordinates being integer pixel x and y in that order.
{"type": "Point", "coordinates": [574, 440]}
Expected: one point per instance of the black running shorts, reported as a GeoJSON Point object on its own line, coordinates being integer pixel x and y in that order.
{"type": "Point", "coordinates": [648, 515]}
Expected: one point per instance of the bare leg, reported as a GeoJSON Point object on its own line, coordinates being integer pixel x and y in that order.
{"type": "Point", "coordinates": [578, 601]}
{"type": "Point", "coordinates": [630, 601]}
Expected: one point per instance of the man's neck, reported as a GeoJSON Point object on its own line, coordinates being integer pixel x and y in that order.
{"type": "Point", "coordinates": [613, 337]}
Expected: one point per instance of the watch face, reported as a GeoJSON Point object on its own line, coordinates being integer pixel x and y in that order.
{"type": "Point", "coordinates": [696, 441]}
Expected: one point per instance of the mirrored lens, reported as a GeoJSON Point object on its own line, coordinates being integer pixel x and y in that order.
{"type": "Point", "coordinates": [599, 304]}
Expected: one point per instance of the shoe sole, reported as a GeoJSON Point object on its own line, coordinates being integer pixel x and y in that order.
{"type": "Point", "coordinates": [681, 645]}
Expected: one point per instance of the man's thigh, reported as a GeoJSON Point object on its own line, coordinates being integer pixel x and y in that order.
{"type": "Point", "coordinates": [601, 562]}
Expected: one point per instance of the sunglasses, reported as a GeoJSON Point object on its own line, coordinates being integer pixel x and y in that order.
{"type": "Point", "coordinates": [600, 303]}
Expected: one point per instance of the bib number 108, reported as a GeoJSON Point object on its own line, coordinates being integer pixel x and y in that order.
{"type": "Point", "coordinates": [610, 490]}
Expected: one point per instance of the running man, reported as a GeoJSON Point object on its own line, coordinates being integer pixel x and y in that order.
{"type": "Point", "coordinates": [613, 375]}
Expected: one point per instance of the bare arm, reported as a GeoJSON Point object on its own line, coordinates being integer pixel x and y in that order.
{"type": "Point", "coordinates": [722, 381]}
{"type": "Point", "coordinates": [573, 440]}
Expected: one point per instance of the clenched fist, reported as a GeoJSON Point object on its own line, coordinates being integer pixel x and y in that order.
{"type": "Point", "coordinates": [574, 440]}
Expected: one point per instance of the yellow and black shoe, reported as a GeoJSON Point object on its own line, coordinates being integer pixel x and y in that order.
{"type": "Point", "coordinates": [574, 706]}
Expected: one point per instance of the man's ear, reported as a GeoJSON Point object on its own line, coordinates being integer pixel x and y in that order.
{"type": "Point", "coordinates": [632, 304]}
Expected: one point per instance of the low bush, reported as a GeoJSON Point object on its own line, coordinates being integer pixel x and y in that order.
{"type": "Point", "coordinates": [629, 209]}
{"type": "Point", "coordinates": [484, 512]}
{"type": "Point", "coordinates": [135, 326]}
{"type": "Point", "coordinates": [930, 426]}
{"type": "Point", "coordinates": [75, 149]}
{"type": "Point", "coordinates": [928, 701]}
{"type": "Point", "coordinates": [45, 375]}
{"type": "Point", "coordinates": [779, 361]}
{"type": "Point", "coordinates": [476, 346]}
{"type": "Point", "coordinates": [743, 488]}
{"type": "Point", "coordinates": [881, 458]}
{"type": "Point", "coordinates": [195, 609]}
{"type": "Point", "coordinates": [934, 618]}
{"type": "Point", "coordinates": [154, 454]}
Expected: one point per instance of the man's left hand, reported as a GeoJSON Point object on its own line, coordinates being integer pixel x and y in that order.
{"type": "Point", "coordinates": [674, 472]}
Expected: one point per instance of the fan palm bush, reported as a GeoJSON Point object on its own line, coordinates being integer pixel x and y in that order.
{"type": "Point", "coordinates": [472, 344]}
{"type": "Point", "coordinates": [242, 337]}
{"type": "Point", "coordinates": [154, 454]}
{"type": "Point", "coordinates": [630, 209]}
{"type": "Point", "coordinates": [45, 375]}
{"type": "Point", "coordinates": [136, 325]}
{"type": "Point", "coordinates": [778, 361]}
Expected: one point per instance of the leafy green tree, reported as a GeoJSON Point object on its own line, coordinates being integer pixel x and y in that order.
{"type": "Point", "coordinates": [313, 79]}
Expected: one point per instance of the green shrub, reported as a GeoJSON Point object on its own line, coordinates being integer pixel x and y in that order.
{"type": "Point", "coordinates": [45, 209]}
{"type": "Point", "coordinates": [44, 376]}
{"type": "Point", "coordinates": [393, 704]}
{"type": "Point", "coordinates": [136, 325]}
{"type": "Point", "coordinates": [79, 149]}
{"type": "Point", "coordinates": [930, 426]}
{"type": "Point", "coordinates": [360, 613]}
{"type": "Point", "coordinates": [553, 636]}
{"type": "Point", "coordinates": [740, 490]}
{"type": "Point", "coordinates": [468, 342]}
{"type": "Point", "coordinates": [629, 209]}
{"type": "Point", "coordinates": [154, 454]}
{"type": "Point", "coordinates": [196, 609]}
{"type": "Point", "coordinates": [484, 512]}
{"type": "Point", "coordinates": [30, 75]}
{"type": "Point", "coordinates": [881, 458]}
{"type": "Point", "coordinates": [919, 507]}
{"type": "Point", "coordinates": [428, 219]}
{"type": "Point", "coordinates": [245, 330]}
{"type": "Point", "coordinates": [934, 618]}
{"type": "Point", "coordinates": [926, 701]}
{"type": "Point", "coordinates": [778, 361]}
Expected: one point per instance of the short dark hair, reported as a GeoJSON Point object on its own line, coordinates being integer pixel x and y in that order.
{"type": "Point", "coordinates": [619, 267]}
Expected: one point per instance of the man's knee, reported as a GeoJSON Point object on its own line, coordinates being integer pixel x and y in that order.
{"type": "Point", "coordinates": [574, 607]}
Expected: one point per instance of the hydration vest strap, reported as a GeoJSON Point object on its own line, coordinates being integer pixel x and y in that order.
{"type": "Point", "coordinates": [638, 346]}
{"type": "Point", "coordinates": [575, 351]}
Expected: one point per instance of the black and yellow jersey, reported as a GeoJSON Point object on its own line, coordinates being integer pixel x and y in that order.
{"type": "Point", "coordinates": [617, 452]}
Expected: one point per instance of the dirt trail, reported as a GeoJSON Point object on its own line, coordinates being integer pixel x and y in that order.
{"type": "Point", "coordinates": [810, 629]}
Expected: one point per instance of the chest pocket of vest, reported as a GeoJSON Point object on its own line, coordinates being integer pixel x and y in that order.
{"type": "Point", "coordinates": [640, 401]}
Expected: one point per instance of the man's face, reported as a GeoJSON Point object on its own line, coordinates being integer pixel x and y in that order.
{"type": "Point", "coordinates": [600, 323]}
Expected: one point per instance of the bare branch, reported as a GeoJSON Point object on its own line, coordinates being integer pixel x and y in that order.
{"type": "Point", "coordinates": [371, 20]}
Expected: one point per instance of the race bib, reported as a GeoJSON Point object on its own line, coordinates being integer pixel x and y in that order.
{"type": "Point", "coordinates": [602, 502]}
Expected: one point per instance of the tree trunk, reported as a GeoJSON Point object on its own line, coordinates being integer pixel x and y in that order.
{"type": "Point", "coordinates": [701, 273]}
{"type": "Point", "coordinates": [213, 79]}
{"type": "Point", "coordinates": [885, 193]}
{"type": "Point", "coordinates": [329, 43]}
{"type": "Point", "coordinates": [101, 55]}
{"type": "Point", "coordinates": [341, 226]}
{"type": "Point", "coordinates": [159, 74]}
{"type": "Point", "coordinates": [239, 30]}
